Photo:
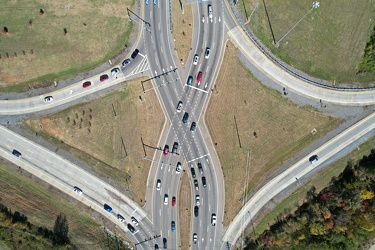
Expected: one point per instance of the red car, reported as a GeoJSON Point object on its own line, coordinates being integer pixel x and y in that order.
{"type": "Point", "coordinates": [166, 150]}
{"type": "Point", "coordinates": [86, 84]}
{"type": "Point", "coordinates": [199, 78]}
{"type": "Point", "coordinates": [103, 78]}
{"type": "Point", "coordinates": [173, 201]}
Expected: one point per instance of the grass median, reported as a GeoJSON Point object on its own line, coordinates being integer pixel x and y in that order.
{"type": "Point", "coordinates": [106, 134]}
{"type": "Point", "coordinates": [244, 112]}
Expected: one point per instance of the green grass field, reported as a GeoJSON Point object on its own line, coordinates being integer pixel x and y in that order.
{"type": "Point", "coordinates": [40, 53]}
{"type": "Point", "coordinates": [41, 203]}
{"type": "Point", "coordinates": [320, 181]}
{"type": "Point", "coordinates": [329, 43]}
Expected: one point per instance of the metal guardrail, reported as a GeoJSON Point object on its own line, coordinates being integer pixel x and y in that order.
{"type": "Point", "coordinates": [285, 66]}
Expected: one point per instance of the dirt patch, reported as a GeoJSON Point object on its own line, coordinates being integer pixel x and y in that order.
{"type": "Point", "coordinates": [182, 30]}
{"type": "Point", "coordinates": [109, 130]}
{"type": "Point", "coordinates": [270, 126]}
{"type": "Point", "coordinates": [184, 211]}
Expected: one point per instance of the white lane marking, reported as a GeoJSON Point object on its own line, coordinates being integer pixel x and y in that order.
{"type": "Point", "coordinates": [88, 183]}
{"type": "Point", "coordinates": [28, 150]}
{"type": "Point", "coordinates": [10, 140]}
{"type": "Point", "coordinates": [160, 212]}
{"type": "Point", "coordinates": [68, 172]}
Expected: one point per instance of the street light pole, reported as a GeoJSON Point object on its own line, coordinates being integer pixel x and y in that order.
{"type": "Point", "coordinates": [314, 6]}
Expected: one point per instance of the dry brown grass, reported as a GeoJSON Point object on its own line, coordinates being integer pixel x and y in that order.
{"type": "Point", "coordinates": [282, 129]}
{"type": "Point", "coordinates": [96, 32]}
{"type": "Point", "coordinates": [182, 30]}
{"type": "Point", "coordinates": [94, 130]}
{"type": "Point", "coordinates": [41, 203]}
{"type": "Point", "coordinates": [184, 211]}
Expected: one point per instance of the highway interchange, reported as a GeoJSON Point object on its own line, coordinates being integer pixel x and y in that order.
{"type": "Point", "coordinates": [157, 57]}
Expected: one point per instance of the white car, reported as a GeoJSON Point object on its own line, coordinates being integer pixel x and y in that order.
{"type": "Point", "coordinates": [213, 219]}
{"type": "Point", "coordinates": [120, 218]}
{"type": "Point", "coordinates": [195, 238]}
{"type": "Point", "coordinates": [179, 107]}
{"type": "Point", "coordinates": [115, 71]}
{"type": "Point", "coordinates": [178, 168]}
{"type": "Point", "coordinates": [48, 99]}
{"type": "Point", "coordinates": [197, 200]}
{"type": "Point", "coordinates": [78, 190]}
{"type": "Point", "coordinates": [195, 59]}
{"type": "Point", "coordinates": [158, 184]}
{"type": "Point", "coordinates": [207, 53]}
{"type": "Point", "coordinates": [134, 220]}
{"type": "Point", "coordinates": [165, 199]}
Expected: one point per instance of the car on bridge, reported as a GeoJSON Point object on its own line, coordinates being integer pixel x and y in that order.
{"type": "Point", "coordinates": [165, 199]}
{"type": "Point", "coordinates": [158, 184]}
{"type": "Point", "coordinates": [197, 200]}
{"type": "Point", "coordinates": [173, 226]}
{"type": "Point", "coordinates": [173, 201]}
{"type": "Point", "coordinates": [165, 243]}
{"type": "Point", "coordinates": [196, 185]}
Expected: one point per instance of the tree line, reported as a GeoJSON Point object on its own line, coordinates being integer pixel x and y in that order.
{"type": "Point", "coordinates": [341, 216]}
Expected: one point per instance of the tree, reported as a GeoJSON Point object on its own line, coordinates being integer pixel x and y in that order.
{"type": "Point", "coordinates": [61, 230]}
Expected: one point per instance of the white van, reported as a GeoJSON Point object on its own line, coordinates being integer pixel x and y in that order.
{"type": "Point", "coordinates": [165, 199]}
{"type": "Point", "coordinates": [209, 11]}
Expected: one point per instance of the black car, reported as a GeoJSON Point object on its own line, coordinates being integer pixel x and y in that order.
{"type": "Point", "coordinates": [313, 159]}
{"type": "Point", "coordinates": [204, 181]}
{"type": "Point", "coordinates": [175, 147]}
{"type": "Point", "coordinates": [192, 172]}
{"type": "Point", "coordinates": [193, 127]}
{"type": "Point", "coordinates": [16, 153]}
{"type": "Point", "coordinates": [156, 247]}
{"type": "Point", "coordinates": [189, 81]}
{"type": "Point", "coordinates": [165, 243]}
{"type": "Point", "coordinates": [131, 228]}
{"type": "Point", "coordinates": [135, 53]}
{"type": "Point", "coordinates": [200, 168]}
{"type": "Point", "coordinates": [196, 211]}
{"type": "Point", "coordinates": [185, 118]}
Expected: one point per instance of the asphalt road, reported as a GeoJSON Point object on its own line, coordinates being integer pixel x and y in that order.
{"type": "Point", "coordinates": [157, 55]}
{"type": "Point", "coordinates": [59, 172]}
{"type": "Point", "coordinates": [192, 148]}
